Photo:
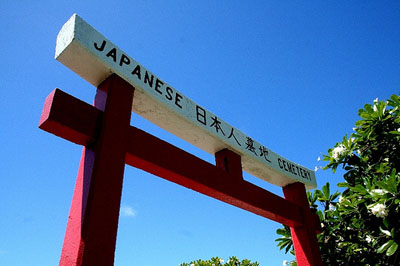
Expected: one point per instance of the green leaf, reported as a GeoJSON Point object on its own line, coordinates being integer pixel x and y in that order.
{"type": "Point", "coordinates": [343, 184]}
{"type": "Point", "coordinates": [388, 185]}
{"type": "Point", "coordinates": [358, 188]}
{"type": "Point", "coordinates": [392, 249]}
{"type": "Point", "coordinates": [326, 191]}
{"type": "Point", "coordinates": [386, 222]}
{"type": "Point", "coordinates": [335, 195]}
{"type": "Point", "coordinates": [385, 246]}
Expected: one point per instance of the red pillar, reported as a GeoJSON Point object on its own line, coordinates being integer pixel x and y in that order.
{"type": "Point", "coordinates": [93, 220]}
{"type": "Point", "coordinates": [304, 237]}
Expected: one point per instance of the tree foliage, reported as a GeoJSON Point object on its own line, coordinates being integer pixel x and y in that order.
{"type": "Point", "coordinates": [216, 261]}
{"type": "Point", "coordinates": [361, 225]}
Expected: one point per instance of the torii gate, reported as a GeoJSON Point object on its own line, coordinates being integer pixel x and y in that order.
{"type": "Point", "coordinates": [110, 141]}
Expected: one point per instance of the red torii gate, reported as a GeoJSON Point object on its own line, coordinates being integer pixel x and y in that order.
{"type": "Point", "coordinates": [110, 141]}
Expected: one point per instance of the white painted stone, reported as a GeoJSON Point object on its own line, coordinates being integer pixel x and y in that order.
{"type": "Point", "coordinates": [88, 53]}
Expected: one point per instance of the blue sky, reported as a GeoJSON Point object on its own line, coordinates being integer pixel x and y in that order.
{"type": "Point", "coordinates": [291, 74]}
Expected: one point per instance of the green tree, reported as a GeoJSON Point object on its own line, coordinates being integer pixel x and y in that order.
{"type": "Point", "coordinates": [216, 261]}
{"type": "Point", "coordinates": [361, 225]}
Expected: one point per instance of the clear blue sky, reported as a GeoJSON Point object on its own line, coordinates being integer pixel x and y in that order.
{"type": "Point", "coordinates": [291, 74]}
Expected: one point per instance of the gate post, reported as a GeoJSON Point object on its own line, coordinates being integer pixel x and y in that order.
{"type": "Point", "coordinates": [93, 220]}
{"type": "Point", "coordinates": [304, 237]}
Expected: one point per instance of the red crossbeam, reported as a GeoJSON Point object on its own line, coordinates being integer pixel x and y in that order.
{"type": "Point", "coordinates": [78, 124]}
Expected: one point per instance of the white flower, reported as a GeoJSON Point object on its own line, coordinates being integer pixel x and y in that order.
{"type": "Point", "coordinates": [359, 152]}
{"type": "Point", "coordinates": [354, 129]}
{"type": "Point", "coordinates": [379, 210]}
{"type": "Point", "coordinates": [331, 207]}
{"type": "Point", "coordinates": [318, 159]}
{"type": "Point", "coordinates": [316, 168]}
{"type": "Point", "coordinates": [379, 192]}
{"type": "Point", "coordinates": [192, 264]}
{"type": "Point", "coordinates": [338, 151]}
{"type": "Point", "coordinates": [376, 100]}
{"type": "Point", "coordinates": [386, 232]}
{"type": "Point", "coordinates": [368, 238]}
{"type": "Point", "coordinates": [221, 261]}
{"type": "Point", "coordinates": [341, 199]}
{"type": "Point", "coordinates": [285, 263]}
{"type": "Point", "coordinates": [398, 130]}
{"type": "Point", "coordinates": [375, 108]}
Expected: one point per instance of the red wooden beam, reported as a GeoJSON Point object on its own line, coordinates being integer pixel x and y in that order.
{"type": "Point", "coordinates": [169, 162]}
{"type": "Point", "coordinates": [93, 220]}
{"type": "Point", "coordinates": [304, 239]}
{"type": "Point", "coordinates": [223, 181]}
{"type": "Point", "coordinates": [60, 115]}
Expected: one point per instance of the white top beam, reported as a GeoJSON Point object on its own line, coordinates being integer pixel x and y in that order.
{"type": "Point", "coordinates": [92, 56]}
